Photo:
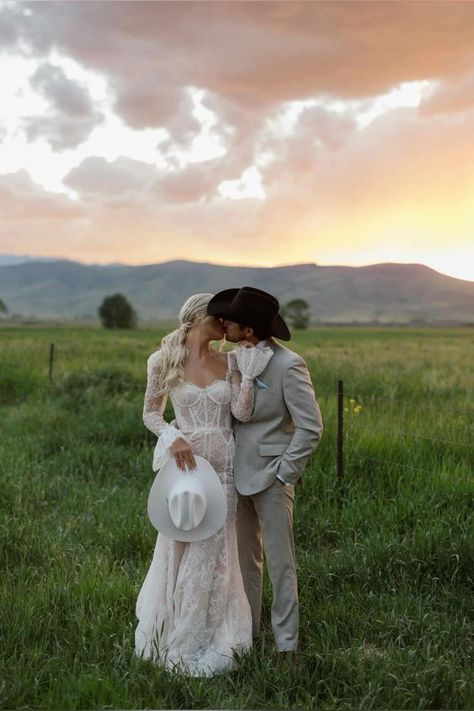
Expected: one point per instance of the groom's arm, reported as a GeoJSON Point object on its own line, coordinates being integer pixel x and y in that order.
{"type": "Point", "coordinates": [304, 411]}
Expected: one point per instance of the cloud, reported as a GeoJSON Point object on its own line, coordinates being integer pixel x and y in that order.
{"type": "Point", "coordinates": [316, 131]}
{"type": "Point", "coordinates": [450, 97]}
{"type": "Point", "coordinates": [21, 198]}
{"type": "Point", "coordinates": [71, 116]}
{"type": "Point", "coordinates": [253, 54]}
{"type": "Point", "coordinates": [63, 94]}
{"type": "Point", "coordinates": [119, 205]}
{"type": "Point", "coordinates": [60, 132]}
{"type": "Point", "coordinates": [398, 184]}
{"type": "Point", "coordinates": [143, 105]}
{"type": "Point", "coordinates": [32, 217]}
{"type": "Point", "coordinates": [192, 184]}
{"type": "Point", "coordinates": [96, 176]}
{"type": "Point", "coordinates": [329, 128]}
{"type": "Point", "coordinates": [132, 180]}
{"type": "Point", "coordinates": [11, 18]}
{"type": "Point", "coordinates": [394, 184]}
{"type": "Point", "coordinates": [249, 58]}
{"type": "Point", "coordinates": [331, 185]}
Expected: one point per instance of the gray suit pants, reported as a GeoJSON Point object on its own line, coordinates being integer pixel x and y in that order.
{"type": "Point", "coordinates": [265, 523]}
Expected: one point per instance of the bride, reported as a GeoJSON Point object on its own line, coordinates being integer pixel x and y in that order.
{"type": "Point", "coordinates": [192, 609]}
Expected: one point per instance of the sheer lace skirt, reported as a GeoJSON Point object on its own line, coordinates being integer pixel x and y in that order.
{"type": "Point", "coordinates": [192, 608]}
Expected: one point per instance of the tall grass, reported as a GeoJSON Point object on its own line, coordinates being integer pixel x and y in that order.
{"type": "Point", "coordinates": [385, 562]}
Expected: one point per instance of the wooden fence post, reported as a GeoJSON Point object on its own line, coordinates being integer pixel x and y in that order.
{"type": "Point", "coordinates": [340, 430]}
{"type": "Point", "coordinates": [51, 361]}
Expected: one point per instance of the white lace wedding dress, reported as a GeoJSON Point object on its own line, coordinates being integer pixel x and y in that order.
{"type": "Point", "coordinates": [192, 608]}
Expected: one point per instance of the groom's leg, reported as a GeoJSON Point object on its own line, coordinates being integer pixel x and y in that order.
{"type": "Point", "coordinates": [275, 511]}
{"type": "Point", "coordinates": [249, 539]}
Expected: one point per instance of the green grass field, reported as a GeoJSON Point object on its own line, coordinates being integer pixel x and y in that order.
{"type": "Point", "coordinates": [385, 562]}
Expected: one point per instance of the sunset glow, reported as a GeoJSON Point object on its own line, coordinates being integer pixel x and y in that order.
{"type": "Point", "coordinates": [344, 134]}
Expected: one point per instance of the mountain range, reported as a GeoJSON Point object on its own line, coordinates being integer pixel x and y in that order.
{"type": "Point", "coordinates": [384, 293]}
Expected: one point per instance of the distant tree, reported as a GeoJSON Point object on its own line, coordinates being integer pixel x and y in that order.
{"type": "Point", "coordinates": [116, 312]}
{"type": "Point", "coordinates": [297, 313]}
{"type": "Point", "coordinates": [3, 308]}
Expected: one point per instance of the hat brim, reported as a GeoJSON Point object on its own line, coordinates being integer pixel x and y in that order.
{"type": "Point", "coordinates": [216, 501]}
{"type": "Point", "coordinates": [219, 306]}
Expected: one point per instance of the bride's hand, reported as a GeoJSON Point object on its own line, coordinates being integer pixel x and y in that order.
{"type": "Point", "coordinates": [183, 454]}
{"type": "Point", "coordinates": [251, 361]}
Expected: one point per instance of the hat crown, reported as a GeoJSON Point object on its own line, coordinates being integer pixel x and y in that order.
{"type": "Point", "coordinates": [252, 307]}
{"type": "Point", "coordinates": [263, 296]}
{"type": "Point", "coordinates": [187, 504]}
{"type": "Point", "coordinates": [259, 301]}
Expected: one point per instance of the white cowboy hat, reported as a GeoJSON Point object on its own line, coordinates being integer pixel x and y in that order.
{"type": "Point", "coordinates": [187, 505]}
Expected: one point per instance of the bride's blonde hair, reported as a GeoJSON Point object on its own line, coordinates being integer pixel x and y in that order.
{"type": "Point", "coordinates": [173, 349]}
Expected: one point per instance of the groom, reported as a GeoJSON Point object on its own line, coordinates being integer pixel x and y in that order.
{"type": "Point", "coordinates": [271, 451]}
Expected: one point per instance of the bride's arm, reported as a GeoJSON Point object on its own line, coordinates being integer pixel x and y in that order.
{"type": "Point", "coordinates": [242, 401]}
{"type": "Point", "coordinates": [169, 437]}
{"type": "Point", "coordinates": [154, 404]}
{"type": "Point", "coordinates": [247, 363]}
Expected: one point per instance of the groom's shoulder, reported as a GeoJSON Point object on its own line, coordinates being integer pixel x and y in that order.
{"type": "Point", "coordinates": [286, 356]}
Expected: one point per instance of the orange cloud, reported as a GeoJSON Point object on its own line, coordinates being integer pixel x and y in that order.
{"type": "Point", "coordinates": [256, 54]}
{"type": "Point", "coordinates": [400, 186]}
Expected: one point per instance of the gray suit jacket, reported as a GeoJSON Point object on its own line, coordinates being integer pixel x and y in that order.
{"type": "Point", "coordinates": [285, 426]}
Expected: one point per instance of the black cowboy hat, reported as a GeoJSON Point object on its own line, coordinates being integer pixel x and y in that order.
{"type": "Point", "coordinates": [250, 307]}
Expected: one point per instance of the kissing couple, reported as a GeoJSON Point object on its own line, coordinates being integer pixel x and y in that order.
{"type": "Point", "coordinates": [252, 414]}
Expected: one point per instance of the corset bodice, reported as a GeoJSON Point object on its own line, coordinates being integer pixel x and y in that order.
{"type": "Point", "coordinates": [202, 409]}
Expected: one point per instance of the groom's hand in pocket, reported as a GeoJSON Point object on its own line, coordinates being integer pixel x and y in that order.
{"type": "Point", "coordinates": [183, 454]}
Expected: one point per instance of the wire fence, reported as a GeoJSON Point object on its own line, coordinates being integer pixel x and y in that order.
{"type": "Point", "coordinates": [352, 435]}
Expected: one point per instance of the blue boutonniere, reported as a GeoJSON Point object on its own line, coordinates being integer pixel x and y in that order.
{"type": "Point", "coordinates": [260, 384]}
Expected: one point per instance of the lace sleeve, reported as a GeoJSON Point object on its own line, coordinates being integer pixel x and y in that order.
{"type": "Point", "coordinates": [246, 365]}
{"type": "Point", "coordinates": [153, 409]}
{"type": "Point", "coordinates": [242, 401]}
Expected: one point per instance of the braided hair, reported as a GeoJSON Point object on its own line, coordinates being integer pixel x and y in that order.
{"type": "Point", "coordinates": [173, 346]}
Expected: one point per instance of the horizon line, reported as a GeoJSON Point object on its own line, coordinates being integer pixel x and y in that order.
{"type": "Point", "coordinates": [34, 258]}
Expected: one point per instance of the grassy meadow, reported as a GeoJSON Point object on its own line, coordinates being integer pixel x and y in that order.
{"type": "Point", "coordinates": [385, 561]}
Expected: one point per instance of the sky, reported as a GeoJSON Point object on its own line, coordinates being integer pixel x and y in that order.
{"type": "Point", "coordinates": [259, 133]}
